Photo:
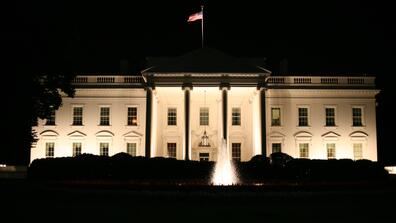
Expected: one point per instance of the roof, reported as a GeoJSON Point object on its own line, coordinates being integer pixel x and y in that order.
{"type": "Point", "coordinates": [205, 60]}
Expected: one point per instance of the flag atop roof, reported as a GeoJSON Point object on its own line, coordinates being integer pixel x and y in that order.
{"type": "Point", "coordinates": [195, 16]}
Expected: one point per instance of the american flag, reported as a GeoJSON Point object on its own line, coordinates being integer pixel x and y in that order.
{"type": "Point", "coordinates": [195, 16]}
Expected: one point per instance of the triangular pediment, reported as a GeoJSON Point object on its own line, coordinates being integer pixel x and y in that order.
{"type": "Point", "coordinates": [330, 135]}
{"type": "Point", "coordinates": [205, 60]}
{"type": "Point", "coordinates": [76, 134]}
{"type": "Point", "coordinates": [133, 134]}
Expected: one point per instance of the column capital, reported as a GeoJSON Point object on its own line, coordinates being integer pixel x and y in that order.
{"type": "Point", "coordinates": [260, 88]}
{"type": "Point", "coordinates": [149, 86]}
{"type": "Point", "coordinates": [187, 86]}
{"type": "Point", "coordinates": [225, 86]}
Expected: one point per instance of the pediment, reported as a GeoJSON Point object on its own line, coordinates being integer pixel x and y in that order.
{"type": "Point", "coordinates": [49, 133]}
{"type": "Point", "coordinates": [358, 134]}
{"type": "Point", "coordinates": [76, 134]}
{"type": "Point", "coordinates": [303, 134]}
{"type": "Point", "coordinates": [276, 135]}
{"type": "Point", "coordinates": [104, 133]}
{"type": "Point", "coordinates": [330, 135]}
{"type": "Point", "coordinates": [133, 134]}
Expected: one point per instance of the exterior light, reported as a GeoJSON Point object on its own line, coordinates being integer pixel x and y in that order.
{"type": "Point", "coordinates": [204, 140]}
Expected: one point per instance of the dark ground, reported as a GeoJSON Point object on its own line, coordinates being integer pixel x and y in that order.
{"type": "Point", "coordinates": [23, 201]}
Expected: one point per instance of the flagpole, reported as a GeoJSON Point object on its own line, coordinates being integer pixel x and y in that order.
{"type": "Point", "coordinates": [202, 26]}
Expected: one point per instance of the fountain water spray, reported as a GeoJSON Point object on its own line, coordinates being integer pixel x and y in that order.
{"type": "Point", "coordinates": [224, 171]}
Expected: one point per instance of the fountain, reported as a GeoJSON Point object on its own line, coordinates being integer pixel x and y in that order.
{"type": "Point", "coordinates": [224, 171]}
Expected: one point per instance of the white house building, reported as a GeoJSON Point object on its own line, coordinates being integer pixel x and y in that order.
{"type": "Point", "coordinates": [183, 107]}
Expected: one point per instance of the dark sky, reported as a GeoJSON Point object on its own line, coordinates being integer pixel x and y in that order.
{"type": "Point", "coordinates": [314, 36]}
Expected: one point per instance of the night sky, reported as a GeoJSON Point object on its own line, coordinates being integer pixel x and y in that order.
{"type": "Point", "coordinates": [321, 37]}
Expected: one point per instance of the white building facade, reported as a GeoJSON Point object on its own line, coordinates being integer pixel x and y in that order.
{"type": "Point", "coordinates": [184, 107]}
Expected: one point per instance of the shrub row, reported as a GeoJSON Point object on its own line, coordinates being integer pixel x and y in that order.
{"type": "Point", "coordinates": [125, 167]}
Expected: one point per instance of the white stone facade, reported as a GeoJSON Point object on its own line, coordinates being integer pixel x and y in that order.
{"type": "Point", "coordinates": [288, 94]}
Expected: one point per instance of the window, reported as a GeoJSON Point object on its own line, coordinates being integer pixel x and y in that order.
{"type": "Point", "coordinates": [76, 148]}
{"type": "Point", "coordinates": [172, 116]}
{"type": "Point", "coordinates": [331, 150]}
{"type": "Point", "coordinates": [104, 148]}
{"type": "Point", "coordinates": [51, 119]}
{"type": "Point", "coordinates": [302, 116]}
{"type": "Point", "coordinates": [358, 151]}
{"type": "Point", "coordinates": [132, 116]}
{"type": "Point", "coordinates": [304, 150]}
{"type": "Point", "coordinates": [236, 116]}
{"type": "Point", "coordinates": [357, 117]}
{"type": "Point", "coordinates": [204, 116]}
{"type": "Point", "coordinates": [77, 115]}
{"type": "Point", "coordinates": [275, 117]}
{"type": "Point", "coordinates": [171, 150]}
{"type": "Point", "coordinates": [49, 149]}
{"type": "Point", "coordinates": [276, 147]}
{"type": "Point", "coordinates": [236, 151]}
{"type": "Point", "coordinates": [203, 156]}
{"type": "Point", "coordinates": [330, 116]}
{"type": "Point", "coordinates": [131, 149]}
{"type": "Point", "coordinates": [105, 116]}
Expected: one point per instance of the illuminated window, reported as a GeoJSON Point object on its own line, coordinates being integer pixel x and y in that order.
{"type": "Point", "coordinates": [76, 148]}
{"type": "Point", "coordinates": [357, 117]}
{"type": "Point", "coordinates": [302, 116]}
{"type": "Point", "coordinates": [204, 116]}
{"type": "Point", "coordinates": [49, 149]}
{"type": "Point", "coordinates": [51, 119]}
{"type": "Point", "coordinates": [276, 147]}
{"type": "Point", "coordinates": [172, 116]}
{"type": "Point", "coordinates": [304, 150]}
{"type": "Point", "coordinates": [236, 151]}
{"type": "Point", "coordinates": [77, 115]}
{"type": "Point", "coordinates": [203, 156]}
{"type": "Point", "coordinates": [131, 149]}
{"type": "Point", "coordinates": [171, 150]}
{"type": "Point", "coordinates": [331, 150]}
{"type": "Point", "coordinates": [104, 148]}
{"type": "Point", "coordinates": [358, 151]}
{"type": "Point", "coordinates": [330, 116]}
{"type": "Point", "coordinates": [105, 116]}
{"type": "Point", "coordinates": [236, 116]}
{"type": "Point", "coordinates": [132, 116]}
{"type": "Point", "coordinates": [275, 116]}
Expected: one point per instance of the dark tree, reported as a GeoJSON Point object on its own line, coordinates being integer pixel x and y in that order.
{"type": "Point", "coordinates": [47, 91]}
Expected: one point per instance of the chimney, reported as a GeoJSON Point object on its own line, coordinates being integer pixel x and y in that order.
{"type": "Point", "coordinates": [124, 66]}
{"type": "Point", "coordinates": [284, 67]}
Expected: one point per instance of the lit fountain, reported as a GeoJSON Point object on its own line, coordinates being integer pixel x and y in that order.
{"type": "Point", "coordinates": [224, 172]}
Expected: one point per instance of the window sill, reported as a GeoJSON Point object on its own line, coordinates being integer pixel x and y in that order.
{"type": "Point", "coordinates": [276, 126]}
{"type": "Point", "coordinates": [304, 127]}
{"type": "Point", "coordinates": [104, 126]}
{"type": "Point", "coordinates": [330, 127]}
{"type": "Point", "coordinates": [358, 126]}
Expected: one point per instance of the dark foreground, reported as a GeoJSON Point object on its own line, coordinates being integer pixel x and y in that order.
{"type": "Point", "coordinates": [24, 201]}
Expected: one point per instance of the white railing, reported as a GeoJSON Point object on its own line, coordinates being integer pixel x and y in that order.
{"type": "Point", "coordinates": [321, 81]}
{"type": "Point", "coordinates": [108, 80]}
